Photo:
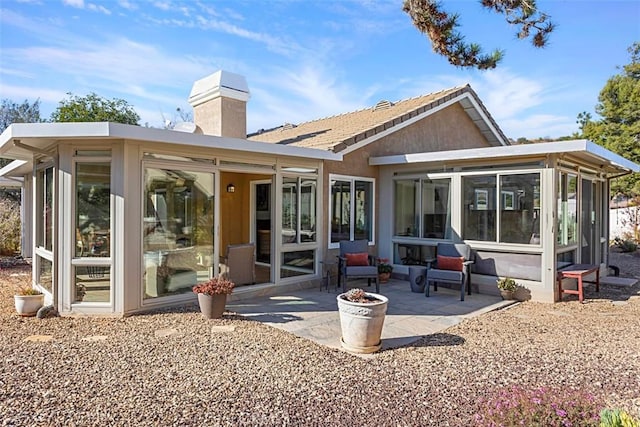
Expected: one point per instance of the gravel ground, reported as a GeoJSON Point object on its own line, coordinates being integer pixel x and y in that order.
{"type": "Point", "coordinates": [175, 368]}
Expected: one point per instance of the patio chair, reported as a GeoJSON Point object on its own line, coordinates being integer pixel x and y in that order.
{"type": "Point", "coordinates": [240, 264]}
{"type": "Point", "coordinates": [354, 261]}
{"type": "Point", "coordinates": [451, 266]}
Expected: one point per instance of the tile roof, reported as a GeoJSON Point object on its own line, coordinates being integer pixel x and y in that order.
{"type": "Point", "coordinates": [338, 132]}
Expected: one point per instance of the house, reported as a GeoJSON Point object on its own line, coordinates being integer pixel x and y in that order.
{"type": "Point", "coordinates": [127, 219]}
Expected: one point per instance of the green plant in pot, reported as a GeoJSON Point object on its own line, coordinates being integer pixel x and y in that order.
{"type": "Point", "coordinates": [28, 301]}
{"type": "Point", "coordinates": [212, 296]}
{"type": "Point", "coordinates": [384, 270]}
{"type": "Point", "coordinates": [507, 287]}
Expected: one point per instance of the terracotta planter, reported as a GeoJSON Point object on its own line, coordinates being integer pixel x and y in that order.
{"type": "Point", "coordinates": [28, 305]}
{"type": "Point", "coordinates": [383, 277]}
{"type": "Point", "coordinates": [212, 306]}
{"type": "Point", "coordinates": [361, 324]}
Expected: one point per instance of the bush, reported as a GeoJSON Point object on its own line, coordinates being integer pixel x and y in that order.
{"type": "Point", "coordinates": [625, 245]}
{"type": "Point", "coordinates": [518, 406]}
{"type": "Point", "coordinates": [617, 418]}
{"type": "Point", "coordinates": [9, 226]}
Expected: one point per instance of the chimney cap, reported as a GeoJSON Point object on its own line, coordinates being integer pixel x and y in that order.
{"type": "Point", "coordinates": [219, 84]}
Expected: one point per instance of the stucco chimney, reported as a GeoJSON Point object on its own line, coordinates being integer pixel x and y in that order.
{"type": "Point", "coordinates": [219, 104]}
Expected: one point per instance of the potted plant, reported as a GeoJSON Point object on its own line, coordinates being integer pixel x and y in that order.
{"type": "Point", "coordinates": [28, 301]}
{"type": "Point", "coordinates": [361, 320]}
{"type": "Point", "coordinates": [384, 270]}
{"type": "Point", "coordinates": [507, 287]}
{"type": "Point", "coordinates": [212, 296]}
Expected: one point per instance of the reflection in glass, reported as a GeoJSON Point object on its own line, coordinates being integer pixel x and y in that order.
{"type": "Point", "coordinates": [177, 230]}
{"type": "Point", "coordinates": [407, 208]}
{"type": "Point", "coordinates": [92, 284]}
{"type": "Point", "coordinates": [436, 208]}
{"type": "Point", "coordinates": [479, 201]}
{"type": "Point", "coordinates": [289, 209]}
{"type": "Point", "coordinates": [340, 211]}
{"type": "Point", "coordinates": [297, 263]}
{"type": "Point", "coordinates": [93, 209]}
{"type": "Point", "coordinates": [45, 206]}
{"type": "Point", "coordinates": [45, 273]}
{"type": "Point", "coordinates": [567, 209]}
{"type": "Point", "coordinates": [520, 208]}
{"type": "Point", "coordinates": [363, 210]}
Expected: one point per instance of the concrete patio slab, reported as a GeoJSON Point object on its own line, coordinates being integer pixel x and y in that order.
{"type": "Point", "coordinates": [313, 313]}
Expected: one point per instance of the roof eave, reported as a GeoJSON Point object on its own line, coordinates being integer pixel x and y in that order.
{"type": "Point", "coordinates": [106, 130]}
{"type": "Point", "coordinates": [599, 154]}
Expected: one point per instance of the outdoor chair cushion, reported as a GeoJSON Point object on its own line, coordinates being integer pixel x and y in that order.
{"type": "Point", "coordinates": [357, 259]}
{"type": "Point", "coordinates": [450, 263]}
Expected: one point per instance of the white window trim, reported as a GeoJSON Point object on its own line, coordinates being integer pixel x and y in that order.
{"type": "Point", "coordinates": [352, 180]}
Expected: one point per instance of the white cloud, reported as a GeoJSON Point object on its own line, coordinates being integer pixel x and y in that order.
{"type": "Point", "coordinates": [74, 3]}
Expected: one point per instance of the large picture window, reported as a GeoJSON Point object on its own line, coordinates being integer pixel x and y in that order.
{"type": "Point", "coordinates": [509, 203]}
{"type": "Point", "coordinates": [178, 230]}
{"type": "Point", "coordinates": [351, 209]}
{"type": "Point", "coordinates": [423, 208]}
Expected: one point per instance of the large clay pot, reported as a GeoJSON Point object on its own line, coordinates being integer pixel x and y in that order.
{"type": "Point", "coordinates": [212, 306]}
{"type": "Point", "coordinates": [507, 295]}
{"type": "Point", "coordinates": [384, 277]}
{"type": "Point", "coordinates": [361, 323]}
{"type": "Point", "coordinates": [28, 305]}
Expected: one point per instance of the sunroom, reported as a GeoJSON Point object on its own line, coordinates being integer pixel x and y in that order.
{"type": "Point", "coordinates": [126, 218]}
{"type": "Point", "coordinates": [526, 210]}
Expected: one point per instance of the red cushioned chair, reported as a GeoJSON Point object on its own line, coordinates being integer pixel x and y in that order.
{"type": "Point", "coordinates": [354, 261]}
{"type": "Point", "coordinates": [452, 266]}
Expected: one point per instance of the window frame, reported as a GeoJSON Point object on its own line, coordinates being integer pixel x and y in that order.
{"type": "Point", "coordinates": [352, 190]}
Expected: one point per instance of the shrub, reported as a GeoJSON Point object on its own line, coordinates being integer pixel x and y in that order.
{"type": "Point", "coordinates": [9, 226]}
{"type": "Point", "coordinates": [506, 284]}
{"type": "Point", "coordinates": [625, 245]}
{"type": "Point", "coordinates": [26, 290]}
{"type": "Point", "coordinates": [517, 406]}
{"type": "Point", "coordinates": [617, 418]}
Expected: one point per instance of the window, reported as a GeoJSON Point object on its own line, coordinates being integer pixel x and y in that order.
{"type": "Point", "coordinates": [479, 221]}
{"type": "Point", "coordinates": [45, 206]}
{"type": "Point", "coordinates": [92, 283]}
{"type": "Point", "coordinates": [509, 203]}
{"type": "Point", "coordinates": [520, 208]}
{"type": "Point", "coordinates": [351, 209]}
{"type": "Point", "coordinates": [423, 208]}
{"type": "Point", "coordinates": [93, 209]}
{"type": "Point", "coordinates": [177, 230]}
{"type": "Point", "coordinates": [567, 209]}
{"type": "Point", "coordinates": [298, 207]}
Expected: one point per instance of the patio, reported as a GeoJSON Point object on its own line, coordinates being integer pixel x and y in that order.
{"type": "Point", "coordinates": [313, 313]}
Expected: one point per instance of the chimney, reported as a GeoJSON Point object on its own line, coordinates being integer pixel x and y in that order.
{"type": "Point", "coordinates": [219, 104]}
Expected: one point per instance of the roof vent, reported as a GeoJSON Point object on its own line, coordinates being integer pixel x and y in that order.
{"type": "Point", "coordinates": [383, 105]}
{"type": "Point", "coordinates": [288, 126]}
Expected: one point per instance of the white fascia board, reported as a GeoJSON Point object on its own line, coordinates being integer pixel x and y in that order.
{"type": "Point", "coordinates": [107, 130]}
{"type": "Point", "coordinates": [219, 142]}
{"type": "Point", "coordinates": [488, 122]}
{"type": "Point", "coordinates": [421, 116]}
{"type": "Point", "coordinates": [6, 171]}
{"type": "Point", "coordinates": [556, 147]}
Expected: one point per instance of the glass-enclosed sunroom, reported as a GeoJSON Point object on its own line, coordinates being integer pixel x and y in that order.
{"type": "Point", "coordinates": [526, 210]}
{"type": "Point", "coordinates": [126, 218]}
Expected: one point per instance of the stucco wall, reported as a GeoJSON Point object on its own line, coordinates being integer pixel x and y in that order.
{"type": "Point", "coordinates": [448, 129]}
{"type": "Point", "coordinates": [222, 117]}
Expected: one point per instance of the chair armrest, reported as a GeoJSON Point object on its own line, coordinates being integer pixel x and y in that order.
{"type": "Point", "coordinates": [468, 262]}
{"type": "Point", "coordinates": [431, 262]}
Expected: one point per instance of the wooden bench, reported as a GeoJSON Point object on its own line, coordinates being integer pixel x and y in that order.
{"type": "Point", "coordinates": [578, 271]}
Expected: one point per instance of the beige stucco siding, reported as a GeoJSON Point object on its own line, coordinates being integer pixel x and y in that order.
{"type": "Point", "coordinates": [448, 129]}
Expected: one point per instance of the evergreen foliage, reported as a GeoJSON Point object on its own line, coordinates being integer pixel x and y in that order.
{"type": "Point", "coordinates": [619, 128]}
{"type": "Point", "coordinates": [439, 26]}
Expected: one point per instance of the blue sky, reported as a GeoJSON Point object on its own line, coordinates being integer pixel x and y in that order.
{"type": "Point", "coordinates": [305, 60]}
